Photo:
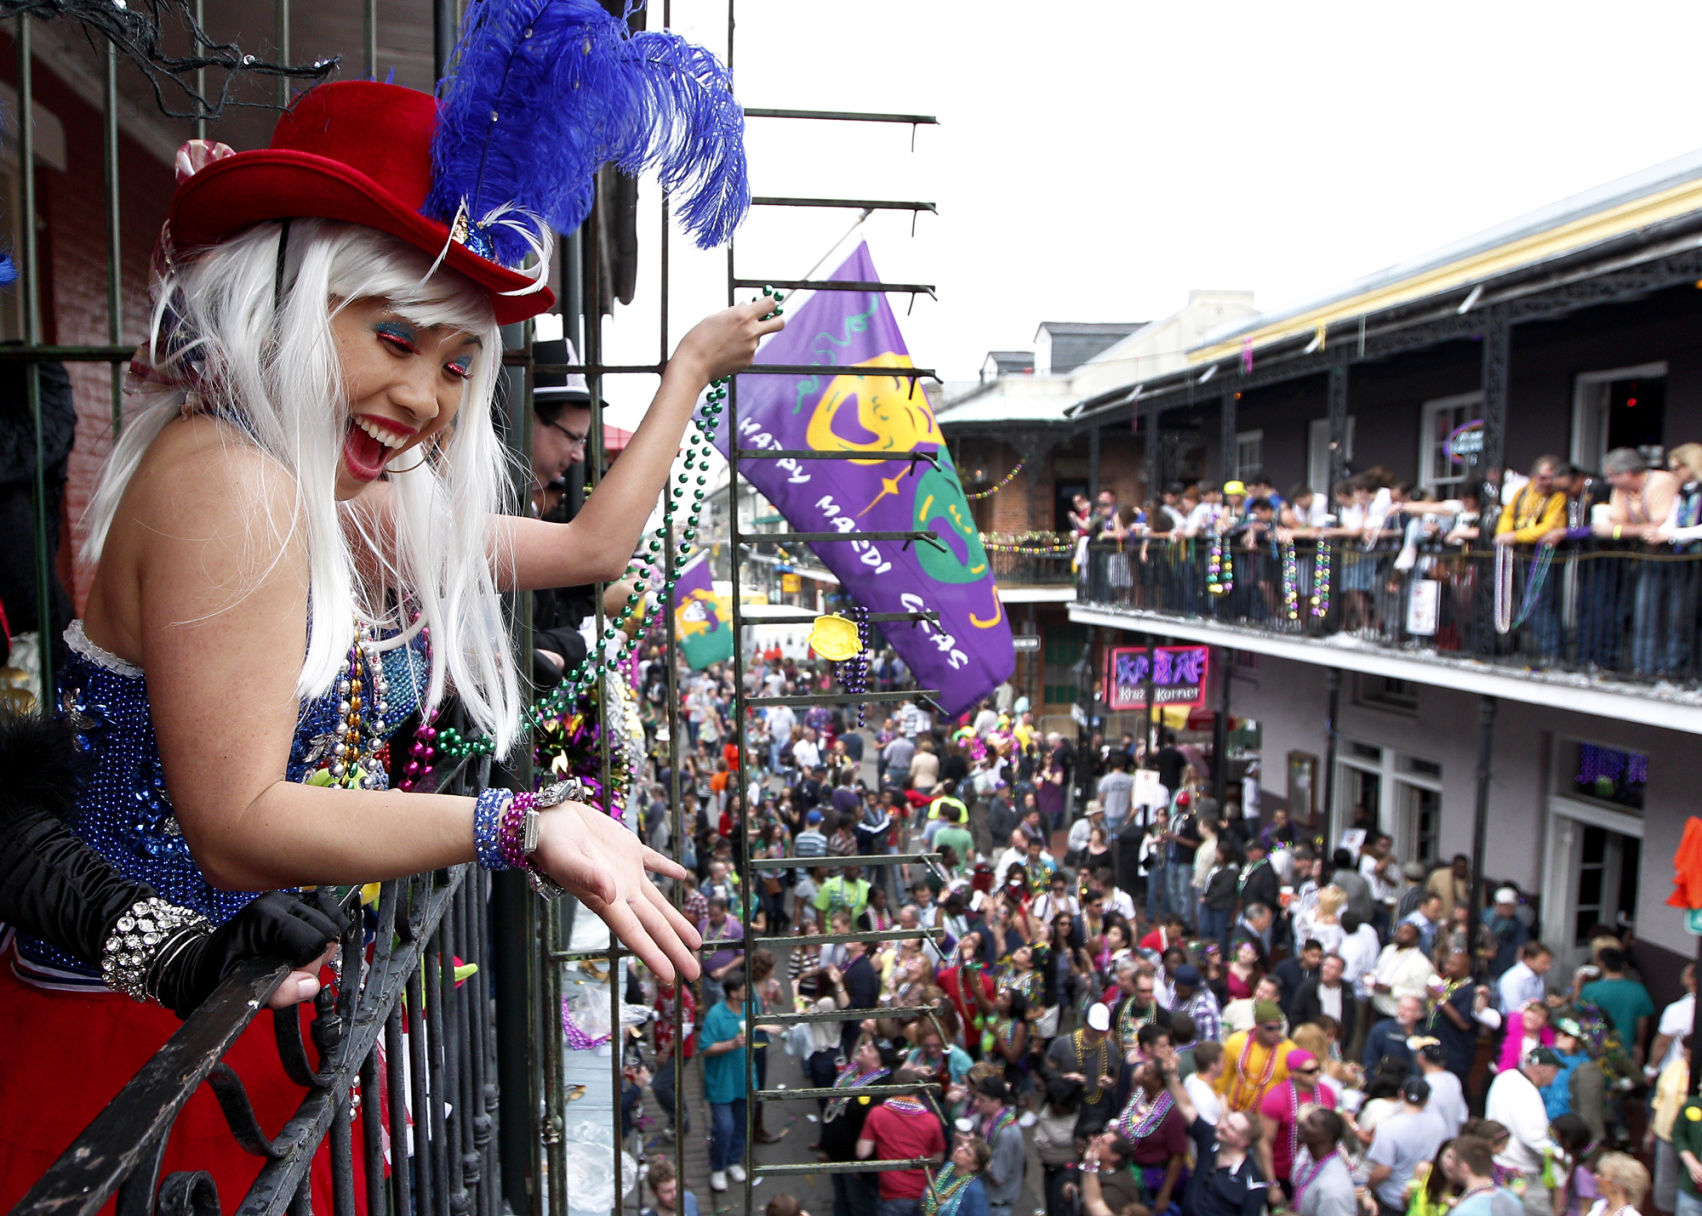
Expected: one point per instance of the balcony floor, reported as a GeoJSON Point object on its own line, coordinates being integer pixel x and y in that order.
{"type": "Point", "coordinates": [1665, 704]}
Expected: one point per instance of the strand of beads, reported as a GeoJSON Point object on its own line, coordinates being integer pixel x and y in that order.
{"type": "Point", "coordinates": [854, 671]}
{"type": "Point", "coordinates": [1220, 566]}
{"type": "Point", "coordinates": [1321, 581]}
{"type": "Point", "coordinates": [1290, 583]}
{"type": "Point", "coordinates": [1003, 482]}
{"type": "Point", "coordinates": [362, 706]}
{"type": "Point", "coordinates": [599, 661]}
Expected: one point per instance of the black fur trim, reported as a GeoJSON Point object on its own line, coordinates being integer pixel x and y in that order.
{"type": "Point", "coordinates": [38, 768]}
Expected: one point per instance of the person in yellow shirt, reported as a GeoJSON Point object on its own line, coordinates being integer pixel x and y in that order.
{"type": "Point", "coordinates": [1537, 509]}
{"type": "Point", "coordinates": [1670, 1091]}
{"type": "Point", "coordinates": [1255, 1060]}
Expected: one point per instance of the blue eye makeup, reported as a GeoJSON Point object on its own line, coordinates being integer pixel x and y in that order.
{"type": "Point", "coordinates": [396, 334]}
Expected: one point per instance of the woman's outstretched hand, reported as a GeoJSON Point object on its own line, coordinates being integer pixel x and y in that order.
{"type": "Point", "coordinates": [725, 342]}
{"type": "Point", "coordinates": [605, 867]}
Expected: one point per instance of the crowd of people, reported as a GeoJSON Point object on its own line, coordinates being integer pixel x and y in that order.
{"type": "Point", "coordinates": [1388, 533]}
{"type": "Point", "coordinates": [1145, 1004]}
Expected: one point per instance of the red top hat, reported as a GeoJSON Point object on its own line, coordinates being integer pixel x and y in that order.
{"type": "Point", "coordinates": [355, 151]}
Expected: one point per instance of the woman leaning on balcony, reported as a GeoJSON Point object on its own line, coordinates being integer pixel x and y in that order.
{"type": "Point", "coordinates": [301, 537]}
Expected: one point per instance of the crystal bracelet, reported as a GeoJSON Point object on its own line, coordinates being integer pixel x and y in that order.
{"type": "Point", "coordinates": [143, 941]}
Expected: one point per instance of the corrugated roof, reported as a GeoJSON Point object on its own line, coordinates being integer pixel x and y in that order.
{"type": "Point", "coordinates": [1611, 210]}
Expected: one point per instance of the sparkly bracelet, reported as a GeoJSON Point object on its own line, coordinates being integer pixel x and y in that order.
{"type": "Point", "coordinates": [143, 942]}
{"type": "Point", "coordinates": [513, 838]}
{"type": "Point", "coordinates": [487, 828]}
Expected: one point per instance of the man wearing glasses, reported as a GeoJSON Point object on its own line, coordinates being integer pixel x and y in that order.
{"type": "Point", "coordinates": [561, 423]}
{"type": "Point", "coordinates": [1255, 1060]}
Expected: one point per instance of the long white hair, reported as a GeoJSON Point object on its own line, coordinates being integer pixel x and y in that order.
{"type": "Point", "coordinates": [217, 331]}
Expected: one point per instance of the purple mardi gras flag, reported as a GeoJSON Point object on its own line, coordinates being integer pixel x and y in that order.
{"type": "Point", "coordinates": [968, 653]}
{"type": "Point", "coordinates": [703, 620]}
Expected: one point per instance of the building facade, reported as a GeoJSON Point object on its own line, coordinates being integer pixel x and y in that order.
{"type": "Point", "coordinates": [1536, 714]}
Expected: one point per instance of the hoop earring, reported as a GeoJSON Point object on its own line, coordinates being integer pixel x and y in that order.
{"type": "Point", "coordinates": [411, 467]}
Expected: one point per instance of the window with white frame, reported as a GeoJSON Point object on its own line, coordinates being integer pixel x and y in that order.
{"type": "Point", "coordinates": [1249, 454]}
{"type": "Point", "coordinates": [1441, 420]}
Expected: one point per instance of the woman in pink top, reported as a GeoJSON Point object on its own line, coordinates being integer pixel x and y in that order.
{"type": "Point", "coordinates": [1530, 1031]}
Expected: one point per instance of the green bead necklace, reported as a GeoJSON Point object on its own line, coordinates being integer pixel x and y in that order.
{"type": "Point", "coordinates": [453, 745]}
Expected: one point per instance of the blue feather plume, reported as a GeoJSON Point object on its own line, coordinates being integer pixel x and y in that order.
{"type": "Point", "coordinates": [543, 93]}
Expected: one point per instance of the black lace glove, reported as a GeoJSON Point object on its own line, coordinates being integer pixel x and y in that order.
{"type": "Point", "coordinates": [294, 928]}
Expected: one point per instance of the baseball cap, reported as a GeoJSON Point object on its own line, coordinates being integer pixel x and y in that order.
{"type": "Point", "coordinates": [1267, 1011]}
{"type": "Point", "coordinates": [1188, 976]}
{"type": "Point", "coordinates": [1416, 1090]}
{"type": "Point", "coordinates": [1098, 1017]}
{"type": "Point", "coordinates": [993, 1087]}
{"type": "Point", "coordinates": [1234, 487]}
{"type": "Point", "coordinates": [1542, 1055]}
{"type": "Point", "coordinates": [813, 817]}
{"type": "Point", "coordinates": [1507, 895]}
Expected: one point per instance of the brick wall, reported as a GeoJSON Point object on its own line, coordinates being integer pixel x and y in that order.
{"type": "Point", "coordinates": [71, 280]}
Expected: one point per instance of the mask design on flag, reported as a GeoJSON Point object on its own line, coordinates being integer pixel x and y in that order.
{"type": "Point", "coordinates": [939, 499]}
{"type": "Point", "coordinates": [894, 416]}
{"type": "Point", "coordinates": [699, 614]}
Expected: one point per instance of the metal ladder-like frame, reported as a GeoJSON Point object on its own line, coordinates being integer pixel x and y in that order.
{"type": "Point", "coordinates": [749, 868]}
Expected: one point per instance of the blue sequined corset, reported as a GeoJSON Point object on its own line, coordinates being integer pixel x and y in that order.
{"type": "Point", "coordinates": [124, 812]}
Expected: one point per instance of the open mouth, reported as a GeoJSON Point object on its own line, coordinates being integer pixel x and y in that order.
{"type": "Point", "coordinates": [369, 447]}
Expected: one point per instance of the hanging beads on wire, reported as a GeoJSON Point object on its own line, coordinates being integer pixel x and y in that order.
{"type": "Point", "coordinates": [1290, 583]}
{"type": "Point", "coordinates": [598, 660]}
{"type": "Point", "coordinates": [1321, 582]}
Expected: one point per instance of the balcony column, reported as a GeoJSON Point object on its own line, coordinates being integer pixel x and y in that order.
{"type": "Point", "coordinates": [1486, 707]}
{"type": "Point", "coordinates": [1220, 732]}
{"type": "Point", "coordinates": [1154, 466]}
{"type": "Point", "coordinates": [1093, 465]}
{"type": "Point", "coordinates": [1034, 450]}
{"type": "Point", "coordinates": [1497, 344]}
{"type": "Point", "coordinates": [1338, 430]}
{"type": "Point", "coordinates": [1150, 730]}
{"type": "Point", "coordinates": [1228, 459]}
{"type": "Point", "coordinates": [1332, 737]}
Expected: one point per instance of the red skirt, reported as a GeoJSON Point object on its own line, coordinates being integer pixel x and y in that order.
{"type": "Point", "coordinates": [65, 1055]}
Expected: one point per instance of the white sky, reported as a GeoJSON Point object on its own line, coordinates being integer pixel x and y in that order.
{"type": "Point", "coordinates": [1095, 160]}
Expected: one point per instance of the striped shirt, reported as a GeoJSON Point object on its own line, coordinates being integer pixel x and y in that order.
{"type": "Point", "coordinates": [810, 843]}
{"type": "Point", "coordinates": [1208, 1018]}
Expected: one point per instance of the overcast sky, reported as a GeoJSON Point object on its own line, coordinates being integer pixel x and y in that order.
{"type": "Point", "coordinates": [1095, 160]}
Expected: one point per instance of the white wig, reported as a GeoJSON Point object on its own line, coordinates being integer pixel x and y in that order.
{"type": "Point", "coordinates": [212, 332]}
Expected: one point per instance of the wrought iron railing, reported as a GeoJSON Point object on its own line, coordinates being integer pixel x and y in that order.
{"type": "Point", "coordinates": [1595, 608]}
{"type": "Point", "coordinates": [405, 1079]}
{"type": "Point", "coordinates": [1041, 560]}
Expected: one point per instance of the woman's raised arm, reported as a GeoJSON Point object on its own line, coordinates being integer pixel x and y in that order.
{"type": "Point", "coordinates": [599, 541]}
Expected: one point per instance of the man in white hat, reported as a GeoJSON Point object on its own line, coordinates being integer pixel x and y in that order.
{"type": "Point", "coordinates": [1508, 929]}
{"type": "Point", "coordinates": [1087, 1057]}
